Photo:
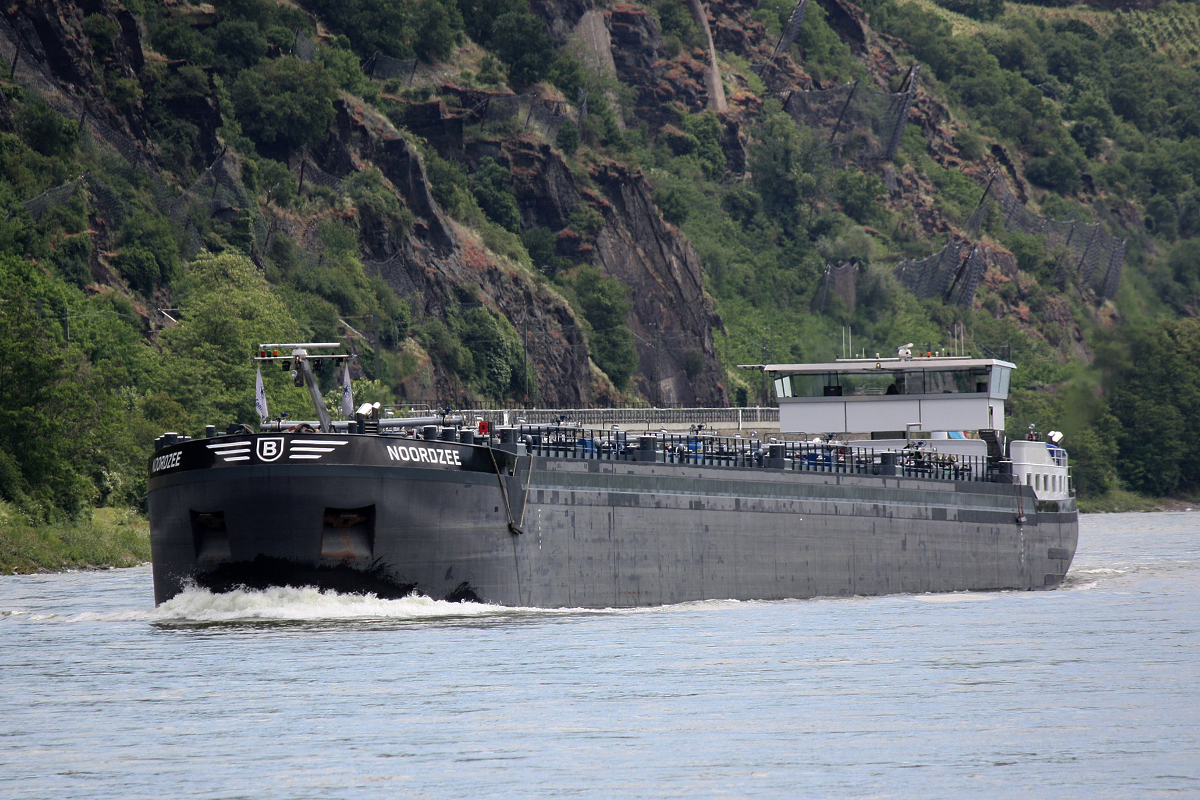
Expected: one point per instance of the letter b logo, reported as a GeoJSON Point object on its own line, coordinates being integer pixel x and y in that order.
{"type": "Point", "coordinates": [269, 449]}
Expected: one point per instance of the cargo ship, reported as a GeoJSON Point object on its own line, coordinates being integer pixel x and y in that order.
{"type": "Point", "coordinates": [890, 475]}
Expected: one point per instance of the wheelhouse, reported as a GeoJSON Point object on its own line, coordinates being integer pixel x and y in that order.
{"type": "Point", "coordinates": [891, 395]}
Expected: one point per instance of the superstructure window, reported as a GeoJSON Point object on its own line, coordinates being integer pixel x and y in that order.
{"type": "Point", "coordinates": [892, 382]}
{"type": "Point", "coordinates": [909, 383]}
{"type": "Point", "coordinates": [1000, 379]}
{"type": "Point", "coordinates": [956, 381]}
{"type": "Point", "coordinates": [826, 384]}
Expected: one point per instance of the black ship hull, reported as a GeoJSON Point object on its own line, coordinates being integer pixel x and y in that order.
{"type": "Point", "coordinates": [468, 522]}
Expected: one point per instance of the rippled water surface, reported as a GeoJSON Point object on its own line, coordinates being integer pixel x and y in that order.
{"type": "Point", "coordinates": [1086, 692]}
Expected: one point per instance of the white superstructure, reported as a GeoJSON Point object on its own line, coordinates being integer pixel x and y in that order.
{"type": "Point", "coordinates": [1042, 465]}
{"type": "Point", "coordinates": [899, 401]}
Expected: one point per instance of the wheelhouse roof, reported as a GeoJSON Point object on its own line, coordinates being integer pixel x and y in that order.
{"type": "Point", "coordinates": [869, 365]}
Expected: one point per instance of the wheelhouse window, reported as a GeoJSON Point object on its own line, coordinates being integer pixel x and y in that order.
{"type": "Point", "coordinates": [890, 382]}
{"type": "Point", "coordinates": [956, 381]}
{"type": "Point", "coordinates": [1000, 379]}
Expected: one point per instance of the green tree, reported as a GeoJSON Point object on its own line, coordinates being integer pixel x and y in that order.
{"type": "Point", "coordinates": [496, 354]}
{"type": "Point", "coordinates": [285, 103]}
{"type": "Point", "coordinates": [977, 9]}
{"type": "Point", "coordinates": [540, 244]}
{"type": "Point", "coordinates": [605, 304]}
{"type": "Point", "coordinates": [238, 44]}
{"type": "Point", "coordinates": [438, 26]}
{"type": "Point", "coordinates": [426, 28]}
{"type": "Point", "coordinates": [706, 129]}
{"type": "Point", "coordinates": [47, 131]}
{"type": "Point", "coordinates": [672, 204]}
{"type": "Point", "coordinates": [491, 184]}
{"type": "Point", "coordinates": [205, 375]}
{"type": "Point", "coordinates": [567, 138]}
{"type": "Point", "coordinates": [860, 194]}
{"type": "Point", "coordinates": [520, 40]}
{"type": "Point", "coordinates": [54, 411]}
{"type": "Point", "coordinates": [1093, 462]}
{"type": "Point", "coordinates": [479, 16]}
{"type": "Point", "coordinates": [790, 166]}
{"type": "Point", "coordinates": [1054, 172]}
{"type": "Point", "coordinates": [1154, 398]}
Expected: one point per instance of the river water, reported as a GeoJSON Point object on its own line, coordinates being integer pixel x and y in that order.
{"type": "Point", "coordinates": [1090, 691]}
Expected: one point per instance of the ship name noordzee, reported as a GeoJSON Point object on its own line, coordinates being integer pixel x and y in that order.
{"type": "Point", "coordinates": [427, 455]}
{"type": "Point", "coordinates": [165, 462]}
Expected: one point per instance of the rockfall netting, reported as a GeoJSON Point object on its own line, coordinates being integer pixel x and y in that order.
{"type": "Point", "coordinates": [218, 194]}
{"type": "Point", "coordinates": [31, 74]}
{"type": "Point", "coordinates": [951, 274]}
{"type": "Point", "coordinates": [303, 47]}
{"type": "Point", "coordinates": [385, 68]}
{"type": "Point", "coordinates": [37, 206]}
{"type": "Point", "coordinates": [525, 112]}
{"type": "Point", "coordinates": [102, 200]}
{"type": "Point", "coordinates": [863, 123]}
{"type": "Point", "coordinates": [307, 171]}
{"type": "Point", "coordinates": [840, 281]}
{"type": "Point", "coordinates": [1099, 256]}
{"type": "Point", "coordinates": [791, 29]}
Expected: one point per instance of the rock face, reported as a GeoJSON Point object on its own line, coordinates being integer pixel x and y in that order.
{"type": "Point", "coordinates": [561, 16]}
{"type": "Point", "coordinates": [436, 264]}
{"type": "Point", "coordinates": [73, 49]}
{"type": "Point", "coordinates": [53, 41]}
{"type": "Point", "coordinates": [671, 316]}
{"type": "Point", "coordinates": [848, 22]}
{"type": "Point", "coordinates": [78, 48]}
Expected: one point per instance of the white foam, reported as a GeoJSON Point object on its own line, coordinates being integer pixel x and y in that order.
{"type": "Point", "coordinates": [953, 597]}
{"type": "Point", "coordinates": [285, 603]}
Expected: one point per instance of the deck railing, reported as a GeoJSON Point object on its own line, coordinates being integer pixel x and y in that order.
{"type": "Point", "coordinates": [649, 417]}
{"type": "Point", "coordinates": [736, 451]}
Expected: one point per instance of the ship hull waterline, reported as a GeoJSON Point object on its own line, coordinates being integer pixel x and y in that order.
{"type": "Point", "coordinates": [588, 533]}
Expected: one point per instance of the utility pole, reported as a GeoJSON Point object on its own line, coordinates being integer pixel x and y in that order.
{"type": "Point", "coordinates": [378, 347]}
{"type": "Point", "coordinates": [764, 372]}
{"type": "Point", "coordinates": [525, 367]}
{"type": "Point", "coordinates": [655, 371]}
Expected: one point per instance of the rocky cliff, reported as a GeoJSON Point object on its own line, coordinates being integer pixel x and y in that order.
{"type": "Point", "coordinates": [73, 52]}
{"type": "Point", "coordinates": [84, 56]}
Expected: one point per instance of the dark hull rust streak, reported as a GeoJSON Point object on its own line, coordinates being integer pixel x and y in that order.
{"type": "Point", "coordinates": [597, 533]}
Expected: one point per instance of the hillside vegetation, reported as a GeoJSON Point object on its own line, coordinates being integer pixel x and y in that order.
{"type": "Point", "coordinates": [520, 201]}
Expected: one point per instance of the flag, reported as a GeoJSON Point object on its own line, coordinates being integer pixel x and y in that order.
{"type": "Point", "coordinates": [347, 393]}
{"type": "Point", "coordinates": [260, 396]}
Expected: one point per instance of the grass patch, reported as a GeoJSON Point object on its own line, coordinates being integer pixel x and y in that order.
{"type": "Point", "coordinates": [1101, 21]}
{"type": "Point", "coordinates": [960, 24]}
{"type": "Point", "coordinates": [112, 537]}
{"type": "Point", "coordinates": [1118, 500]}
